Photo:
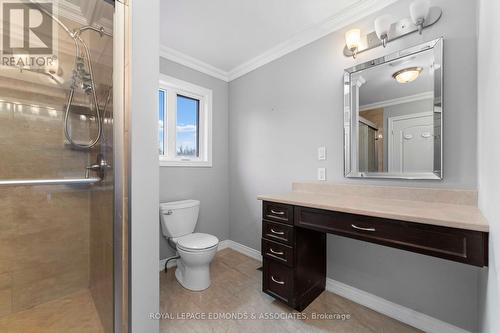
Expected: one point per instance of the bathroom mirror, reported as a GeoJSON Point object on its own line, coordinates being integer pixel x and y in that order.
{"type": "Point", "coordinates": [393, 115]}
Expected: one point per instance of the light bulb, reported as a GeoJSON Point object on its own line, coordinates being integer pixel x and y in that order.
{"type": "Point", "coordinates": [382, 27]}
{"type": "Point", "coordinates": [353, 39]}
{"type": "Point", "coordinates": [419, 9]}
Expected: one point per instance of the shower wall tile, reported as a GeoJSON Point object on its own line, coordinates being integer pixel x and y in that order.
{"type": "Point", "coordinates": [58, 208]}
{"type": "Point", "coordinates": [27, 276]}
{"type": "Point", "coordinates": [101, 251]}
{"type": "Point", "coordinates": [47, 289]}
{"type": "Point", "coordinates": [44, 231]}
{"type": "Point", "coordinates": [34, 142]}
{"type": "Point", "coordinates": [101, 216]}
{"type": "Point", "coordinates": [5, 302]}
{"type": "Point", "coordinates": [8, 226]}
{"type": "Point", "coordinates": [5, 294]}
{"type": "Point", "coordinates": [5, 280]}
{"type": "Point", "coordinates": [46, 247]}
{"type": "Point", "coordinates": [7, 255]}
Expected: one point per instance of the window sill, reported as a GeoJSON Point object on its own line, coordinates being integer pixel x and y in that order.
{"type": "Point", "coordinates": [185, 164]}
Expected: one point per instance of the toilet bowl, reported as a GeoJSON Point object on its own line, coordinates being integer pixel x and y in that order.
{"type": "Point", "coordinates": [193, 268]}
{"type": "Point", "coordinates": [196, 250]}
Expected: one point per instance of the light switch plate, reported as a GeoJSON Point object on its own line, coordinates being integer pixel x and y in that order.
{"type": "Point", "coordinates": [321, 173]}
{"type": "Point", "coordinates": [321, 153]}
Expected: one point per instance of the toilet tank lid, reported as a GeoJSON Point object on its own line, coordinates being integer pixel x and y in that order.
{"type": "Point", "coordinates": [179, 204]}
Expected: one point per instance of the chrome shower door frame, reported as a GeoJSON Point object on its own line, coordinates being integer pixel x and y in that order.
{"type": "Point", "coordinates": [121, 166]}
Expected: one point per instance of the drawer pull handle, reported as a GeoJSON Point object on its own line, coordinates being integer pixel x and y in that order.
{"type": "Point", "coordinates": [277, 212]}
{"type": "Point", "coordinates": [280, 253]}
{"type": "Point", "coordinates": [361, 228]}
{"type": "Point", "coordinates": [277, 281]}
{"type": "Point", "coordinates": [277, 232]}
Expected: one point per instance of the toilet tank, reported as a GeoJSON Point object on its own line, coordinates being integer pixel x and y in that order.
{"type": "Point", "coordinates": [178, 218]}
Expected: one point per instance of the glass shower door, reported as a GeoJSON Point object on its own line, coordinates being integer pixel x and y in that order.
{"type": "Point", "coordinates": [56, 166]}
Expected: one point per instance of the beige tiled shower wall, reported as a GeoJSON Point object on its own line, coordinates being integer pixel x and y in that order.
{"type": "Point", "coordinates": [44, 231]}
{"type": "Point", "coordinates": [101, 234]}
{"type": "Point", "coordinates": [101, 253]}
{"type": "Point", "coordinates": [102, 195]}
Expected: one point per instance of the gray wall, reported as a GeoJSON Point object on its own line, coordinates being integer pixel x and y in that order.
{"type": "Point", "coordinates": [143, 66]}
{"type": "Point", "coordinates": [489, 159]}
{"type": "Point", "coordinates": [209, 185]}
{"type": "Point", "coordinates": [282, 112]}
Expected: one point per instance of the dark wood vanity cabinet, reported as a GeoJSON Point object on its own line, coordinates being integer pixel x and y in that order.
{"type": "Point", "coordinates": [294, 264]}
{"type": "Point", "coordinates": [294, 246]}
{"type": "Point", "coordinates": [465, 246]}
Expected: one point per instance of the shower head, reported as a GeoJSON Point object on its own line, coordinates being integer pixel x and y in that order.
{"type": "Point", "coordinates": [81, 77]}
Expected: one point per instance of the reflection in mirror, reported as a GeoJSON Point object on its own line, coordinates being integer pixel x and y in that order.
{"type": "Point", "coordinates": [393, 115]}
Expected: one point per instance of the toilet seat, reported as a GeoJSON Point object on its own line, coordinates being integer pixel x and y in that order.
{"type": "Point", "coordinates": [196, 242]}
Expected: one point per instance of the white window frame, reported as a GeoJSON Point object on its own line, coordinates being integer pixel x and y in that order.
{"type": "Point", "coordinates": [174, 87]}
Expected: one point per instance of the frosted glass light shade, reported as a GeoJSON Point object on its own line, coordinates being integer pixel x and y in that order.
{"type": "Point", "coordinates": [407, 75]}
{"type": "Point", "coordinates": [353, 39]}
{"type": "Point", "coordinates": [419, 9]}
{"type": "Point", "coordinates": [383, 26]}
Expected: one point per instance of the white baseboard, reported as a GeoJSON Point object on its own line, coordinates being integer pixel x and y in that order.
{"type": "Point", "coordinates": [243, 249]}
{"type": "Point", "coordinates": [403, 314]}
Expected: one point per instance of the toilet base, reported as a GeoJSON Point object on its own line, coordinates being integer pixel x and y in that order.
{"type": "Point", "coordinates": [194, 274]}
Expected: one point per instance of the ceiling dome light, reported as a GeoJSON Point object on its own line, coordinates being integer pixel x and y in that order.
{"type": "Point", "coordinates": [407, 75]}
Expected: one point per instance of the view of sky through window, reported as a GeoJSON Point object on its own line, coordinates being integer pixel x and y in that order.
{"type": "Point", "coordinates": [187, 126]}
{"type": "Point", "coordinates": [161, 118]}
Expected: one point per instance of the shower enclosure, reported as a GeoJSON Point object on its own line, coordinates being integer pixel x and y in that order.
{"type": "Point", "coordinates": [61, 113]}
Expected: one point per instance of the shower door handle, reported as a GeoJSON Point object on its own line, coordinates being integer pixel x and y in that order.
{"type": "Point", "coordinates": [99, 167]}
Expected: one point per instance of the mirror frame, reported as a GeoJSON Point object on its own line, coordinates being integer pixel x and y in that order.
{"type": "Point", "coordinates": [351, 105]}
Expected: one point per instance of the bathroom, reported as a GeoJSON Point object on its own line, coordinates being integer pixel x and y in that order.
{"type": "Point", "coordinates": [235, 166]}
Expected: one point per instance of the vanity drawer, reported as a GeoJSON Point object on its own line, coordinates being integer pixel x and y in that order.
{"type": "Point", "coordinates": [278, 232]}
{"type": "Point", "coordinates": [278, 252]}
{"type": "Point", "coordinates": [277, 212]}
{"type": "Point", "coordinates": [460, 245]}
{"type": "Point", "coordinates": [277, 280]}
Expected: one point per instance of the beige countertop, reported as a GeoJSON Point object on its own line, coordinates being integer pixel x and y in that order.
{"type": "Point", "coordinates": [462, 216]}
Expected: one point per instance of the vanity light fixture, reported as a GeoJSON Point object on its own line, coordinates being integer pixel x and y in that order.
{"type": "Point", "coordinates": [422, 16]}
{"type": "Point", "coordinates": [353, 40]}
{"type": "Point", "coordinates": [382, 27]}
{"type": "Point", "coordinates": [407, 75]}
{"type": "Point", "coordinates": [419, 9]}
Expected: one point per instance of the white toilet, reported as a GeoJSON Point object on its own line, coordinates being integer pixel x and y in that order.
{"type": "Point", "coordinates": [178, 220]}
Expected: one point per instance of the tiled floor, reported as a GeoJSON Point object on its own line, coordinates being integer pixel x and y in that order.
{"type": "Point", "coordinates": [236, 289]}
{"type": "Point", "coordinates": [71, 314]}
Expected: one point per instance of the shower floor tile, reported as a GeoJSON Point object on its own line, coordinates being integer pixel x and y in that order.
{"type": "Point", "coordinates": [75, 313]}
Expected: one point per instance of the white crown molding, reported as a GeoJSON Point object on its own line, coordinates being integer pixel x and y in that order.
{"type": "Point", "coordinates": [338, 21]}
{"type": "Point", "coordinates": [193, 63]}
{"type": "Point", "coordinates": [396, 101]}
{"type": "Point", "coordinates": [401, 313]}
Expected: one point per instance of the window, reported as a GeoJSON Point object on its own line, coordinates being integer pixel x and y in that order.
{"type": "Point", "coordinates": [185, 123]}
